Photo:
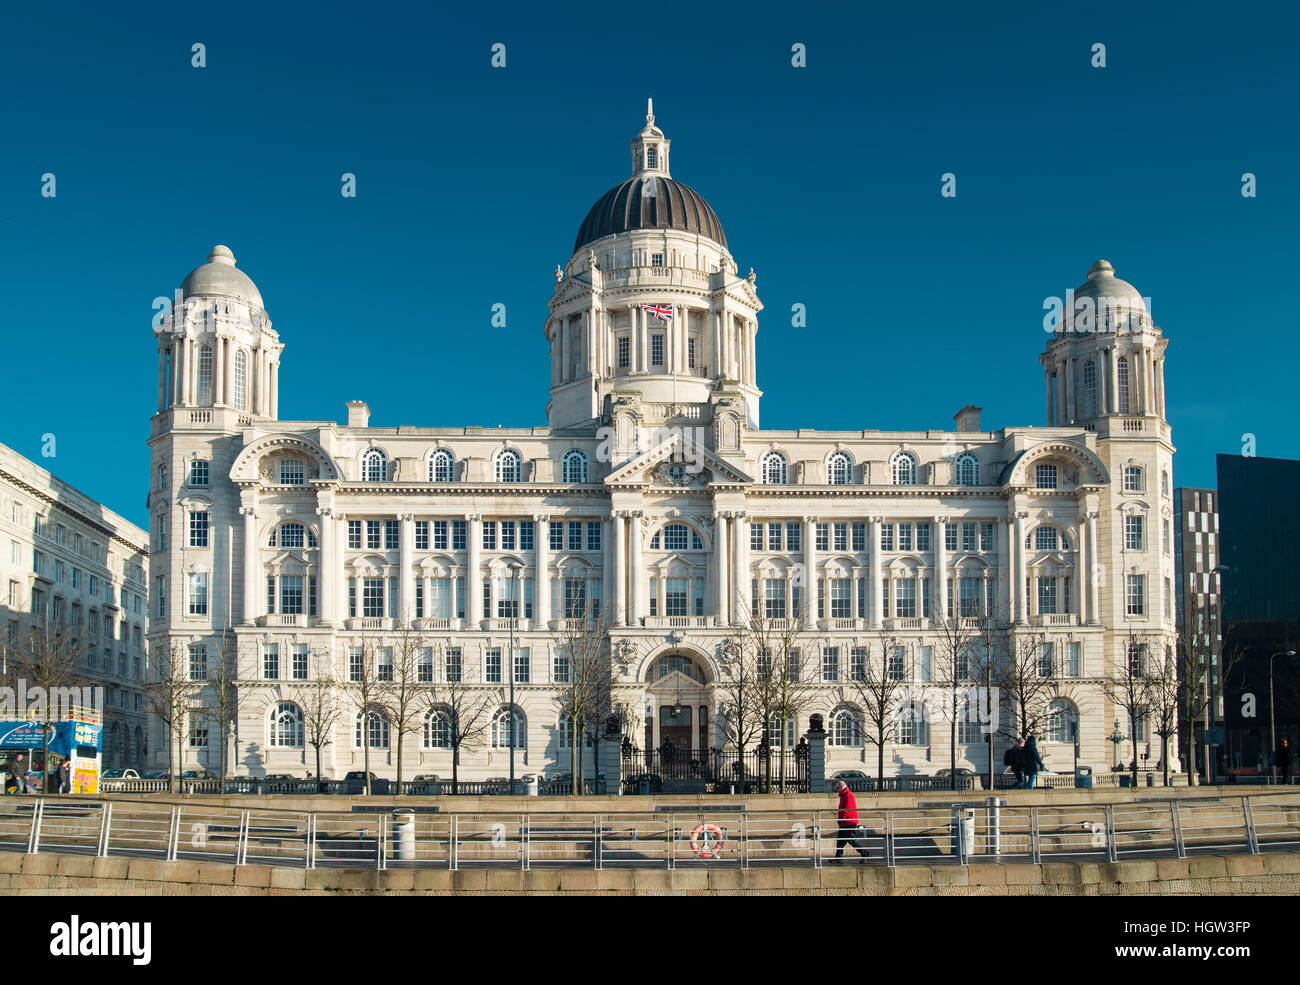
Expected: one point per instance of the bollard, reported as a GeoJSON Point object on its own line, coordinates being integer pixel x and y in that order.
{"type": "Point", "coordinates": [994, 825]}
{"type": "Point", "coordinates": [404, 835]}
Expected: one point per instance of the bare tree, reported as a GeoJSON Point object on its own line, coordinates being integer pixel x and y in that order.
{"type": "Point", "coordinates": [786, 680]}
{"type": "Point", "coordinates": [1164, 696]}
{"type": "Point", "coordinates": [586, 695]}
{"type": "Point", "coordinates": [320, 713]}
{"type": "Point", "coordinates": [409, 687]}
{"type": "Point", "coordinates": [988, 659]}
{"type": "Point", "coordinates": [467, 710]}
{"type": "Point", "coordinates": [220, 696]}
{"type": "Point", "coordinates": [955, 635]}
{"type": "Point", "coordinates": [171, 693]}
{"type": "Point", "coordinates": [1200, 680]}
{"type": "Point", "coordinates": [1028, 690]}
{"type": "Point", "coordinates": [47, 656]}
{"type": "Point", "coordinates": [880, 690]}
{"type": "Point", "coordinates": [1128, 687]}
{"type": "Point", "coordinates": [742, 665]}
{"type": "Point", "coordinates": [370, 682]}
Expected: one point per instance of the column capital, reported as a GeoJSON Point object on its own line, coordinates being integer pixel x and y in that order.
{"type": "Point", "coordinates": [541, 517]}
{"type": "Point", "coordinates": [810, 519]}
{"type": "Point", "coordinates": [248, 511]}
{"type": "Point", "coordinates": [406, 517]}
{"type": "Point", "coordinates": [1092, 515]}
{"type": "Point", "coordinates": [942, 519]}
{"type": "Point", "coordinates": [1022, 514]}
{"type": "Point", "coordinates": [473, 517]}
{"type": "Point", "coordinates": [325, 512]}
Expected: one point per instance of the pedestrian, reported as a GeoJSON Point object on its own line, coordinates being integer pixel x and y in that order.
{"type": "Point", "coordinates": [18, 772]}
{"type": "Point", "coordinates": [1282, 756]}
{"type": "Point", "coordinates": [849, 831]}
{"type": "Point", "coordinates": [1012, 758]}
{"type": "Point", "coordinates": [1032, 761]}
{"type": "Point", "coordinates": [65, 777]}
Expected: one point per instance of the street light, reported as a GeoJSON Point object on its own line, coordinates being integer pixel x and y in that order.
{"type": "Point", "coordinates": [514, 569]}
{"type": "Point", "coordinates": [1272, 723]}
{"type": "Point", "coordinates": [1116, 737]}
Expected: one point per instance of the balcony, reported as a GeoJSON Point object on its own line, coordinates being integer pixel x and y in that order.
{"type": "Point", "coordinates": [1054, 619]}
{"type": "Point", "coordinates": [909, 622]}
{"type": "Point", "coordinates": [368, 622]}
{"type": "Point", "coordinates": [677, 622]}
{"type": "Point", "coordinates": [432, 623]}
{"type": "Point", "coordinates": [281, 619]}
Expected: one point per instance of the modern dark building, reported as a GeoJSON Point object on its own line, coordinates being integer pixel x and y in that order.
{"type": "Point", "coordinates": [1199, 615]}
{"type": "Point", "coordinates": [1259, 524]}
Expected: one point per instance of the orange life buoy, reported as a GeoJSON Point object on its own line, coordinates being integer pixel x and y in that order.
{"type": "Point", "coordinates": [707, 840]}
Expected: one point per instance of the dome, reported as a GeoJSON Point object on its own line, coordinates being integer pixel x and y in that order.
{"type": "Point", "coordinates": [650, 202]}
{"type": "Point", "coordinates": [1102, 283]}
{"type": "Point", "coordinates": [219, 277]}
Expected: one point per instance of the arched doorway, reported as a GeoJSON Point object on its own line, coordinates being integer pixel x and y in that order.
{"type": "Point", "coordinates": [679, 709]}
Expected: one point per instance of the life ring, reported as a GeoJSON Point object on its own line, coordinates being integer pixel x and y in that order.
{"type": "Point", "coordinates": [707, 840]}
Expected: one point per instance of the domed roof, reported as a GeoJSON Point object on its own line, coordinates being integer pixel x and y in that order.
{"type": "Point", "coordinates": [1102, 283]}
{"type": "Point", "coordinates": [219, 278]}
{"type": "Point", "coordinates": [650, 202]}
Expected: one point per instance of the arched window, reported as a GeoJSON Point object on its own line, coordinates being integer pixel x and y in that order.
{"type": "Point", "coordinates": [291, 535]}
{"type": "Point", "coordinates": [839, 470]}
{"type": "Point", "coordinates": [1045, 539]}
{"type": "Point", "coordinates": [507, 466]}
{"type": "Point", "coordinates": [205, 375]}
{"type": "Point", "coordinates": [913, 725]}
{"type": "Point", "coordinates": [501, 728]}
{"type": "Point", "coordinates": [676, 537]}
{"type": "Point", "coordinates": [1164, 482]}
{"type": "Point", "coordinates": [903, 468]}
{"type": "Point", "coordinates": [574, 467]}
{"type": "Point", "coordinates": [437, 729]}
{"type": "Point", "coordinates": [566, 732]}
{"type": "Point", "coordinates": [241, 380]}
{"type": "Point", "coordinates": [773, 469]}
{"type": "Point", "coordinates": [968, 470]}
{"type": "Point", "coordinates": [287, 726]}
{"type": "Point", "coordinates": [846, 728]}
{"type": "Point", "coordinates": [440, 466]}
{"type": "Point", "coordinates": [1089, 389]}
{"type": "Point", "coordinates": [1062, 717]}
{"type": "Point", "coordinates": [373, 466]}
{"type": "Point", "coordinates": [969, 730]}
{"type": "Point", "coordinates": [1121, 380]}
{"type": "Point", "coordinates": [376, 729]}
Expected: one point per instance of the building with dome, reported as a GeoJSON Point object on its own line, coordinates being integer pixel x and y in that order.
{"type": "Point", "coordinates": [652, 495]}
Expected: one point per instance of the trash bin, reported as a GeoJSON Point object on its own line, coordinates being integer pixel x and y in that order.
{"type": "Point", "coordinates": [963, 831]}
{"type": "Point", "coordinates": [529, 786]}
{"type": "Point", "coordinates": [1083, 777]}
{"type": "Point", "coordinates": [643, 787]}
{"type": "Point", "coordinates": [404, 835]}
{"type": "Point", "coordinates": [1125, 780]}
{"type": "Point", "coordinates": [1151, 779]}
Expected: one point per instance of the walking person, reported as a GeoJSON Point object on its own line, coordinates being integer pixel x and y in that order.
{"type": "Point", "coordinates": [65, 777]}
{"type": "Point", "coordinates": [1033, 762]}
{"type": "Point", "coordinates": [1012, 757]}
{"type": "Point", "coordinates": [1282, 757]}
{"type": "Point", "coordinates": [18, 773]}
{"type": "Point", "coordinates": [849, 832]}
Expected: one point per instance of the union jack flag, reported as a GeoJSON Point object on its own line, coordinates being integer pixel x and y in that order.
{"type": "Point", "coordinates": [663, 311]}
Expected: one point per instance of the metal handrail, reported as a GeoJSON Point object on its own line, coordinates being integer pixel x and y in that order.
{"type": "Point", "coordinates": [935, 833]}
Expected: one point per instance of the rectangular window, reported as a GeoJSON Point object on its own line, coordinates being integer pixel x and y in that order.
{"type": "Point", "coordinates": [458, 534]}
{"type": "Point", "coordinates": [831, 664]}
{"type": "Point", "coordinates": [988, 541]}
{"type": "Point", "coordinates": [858, 663]}
{"type": "Point", "coordinates": [1047, 596]}
{"type": "Point", "coordinates": [198, 593]}
{"type": "Point", "coordinates": [452, 665]}
{"type": "Point", "coordinates": [896, 669]}
{"type": "Point", "coordinates": [291, 472]}
{"type": "Point", "coordinates": [354, 535]}
{"type": "Point", "coordinates": [593, 535]}
{"type": "Point", "coordinates": [886, 536]}
{"type": "Point", "coordinates": [1133, 533]}
{"type": "Point", "coordinates": [755, 536]}
{"type": "Point", "coordinates": [299, 654]}
{"type": "Point", "coordinates": [523, 665]}
{"type": "Point", "coordinates": [271, 661]}
{"type": "Point", "coordinates": [840, 533]}
{"type": "Point", "coordinates": [1132, 478]}
{"type": "Point", "coordinates": [526, 535]}
{"type": "Point", "coordinates": [624, 349]}
{"type": "Point", "coordinates": [950, 537]}
{"type": "Point", "coordinates": [356, 663]}
{"type": "Point", "coordinates": [774, 598]}
{"type": "Point", "coordinates": [774, 536]}
{"type": "Point", "coordinates": [385, 663]}
{"type": "Point", "coordinates": [823, 542]}
{"type": "Point", "coordinates": [199, 528]}
{"type": "Point", "coordinates": [841, 598]}
{"type": "Point", "coordinates": [904, 536]}
{"type": "Point", "coordinates": [1136, 595]}
{"type": "Point", "coordinates": [1046, 660]}
{"type": "Point", "coordinates": [507, 535]}
{"type": "Point", "coordinates": [372, 598]}
{"type": "Point", "coordinates": [291, 599]}
{"type": "Point", "coordinates": [884, 599]}
{"type": "Point", "coordinates": [575, 535]}
{"type": "Point", "coordinates": [575, 598]}
{"type": "Point", "coordinates": [555, 540]}
{"type": "Point", "coordinates": [674, 596]}
{"type": "Point", "coordinates": [352, 597]}
{"type": "Point", "coordinates": [392, 535]}
{"type": "Point", "coordinates": [968, 542]}
{"type": "Point", "coordinates": [1072, 661]}
{"type": "Point", "coordinates": [439, 535]}
{"type": "Point", "coordinates": [199, 472]}
{"type": "Point", "coordinates": [198, 662]}
{"type": "Point", "coordinates": [489, 535]}
{"type": "Point", "coordinates": [421, 535]}
{"type": "Point", "coordinates": [792, 537]}
{"type": "Point", "coordinates": [419, 598]}
{"type": "Point", "coordinates": [1045, 476]}
{"type": "Point", "coordinates": [373, 528]}
{"type": "Point", "coordinates": [560, 667]}
{"type": "Point", "coordinates": [905, 598]}
{"type": "Point", "coordinates": [270, 593]}
{"type": "Point", "coordinates": [922, 536]}
{"type": "Point", "coordinates": [492, 665]}
{"type": "Point", "coordinates": [656, 350]}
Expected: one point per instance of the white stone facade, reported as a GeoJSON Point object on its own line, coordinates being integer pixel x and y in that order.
{"type": "Point", "coordinates": [652, 422]}
{"type": "Point", "coordinates": [70, 560]}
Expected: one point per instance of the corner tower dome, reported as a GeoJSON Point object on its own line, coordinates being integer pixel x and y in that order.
{"type": "Point", "coordinates": [220, 278]}
{"type": "Point", "coordinates": [650, 199]}
{"type": "Point", "coordinates": [1102, 283]}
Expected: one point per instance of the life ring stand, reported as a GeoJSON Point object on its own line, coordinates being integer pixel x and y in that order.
{"type": "Point", "coordinates": [707, 840]}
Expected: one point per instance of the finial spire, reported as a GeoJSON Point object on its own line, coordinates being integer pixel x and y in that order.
{"type": "Point", "coordinates": [650, 110]}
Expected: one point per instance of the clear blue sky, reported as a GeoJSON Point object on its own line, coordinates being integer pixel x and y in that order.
{"type": "Point", "coordinates": [472, 182]}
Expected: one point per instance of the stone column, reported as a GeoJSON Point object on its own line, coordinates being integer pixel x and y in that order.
{"type": "Point", "coordinates": [542, 569]}
{"type": "Point", "coordinates": [405, 574]}
{"type": "Point", "coordinates": [275, 389]}
{"type": "Point", "coordinates": [636, 580]}
{"type": "Point", "coordinates": [722, 589]}
{"type": "Point", "coordinates": [620, 570]}
{"type": "Point", "coordinates": [1094, 609]}
{"type": "Point", "coordinates": [340, 613]}
{"type": "Point", "coordinates": [218, 369]}
{"type": "Point", "coordinates": [809, 580]}
{"type": "Point", "coordinates": [231, 349]}
{"type": "Point", "coordinates": [473, 571]}
{"type": "Point", "coordinates": [325, 569]}
{"type": "Point", "coordinates": [252, 569]}
{"type": "Point", "coordinates": [1008, 538]}
{"type": "Point", "coordinates": [1018, 567]}
{"type": "Point", "coordinates": [740, 545]}
{"type": "Point", "coordinates": [817, 756]}
{"type": "Point", "coordinates": [939, 604]}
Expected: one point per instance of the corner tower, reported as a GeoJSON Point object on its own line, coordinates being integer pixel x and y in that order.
{"type": "Point", "coordinates": [650, 312]}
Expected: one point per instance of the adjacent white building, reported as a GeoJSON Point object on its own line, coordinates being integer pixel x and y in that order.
{"type": "Point", "coordinates": [652, 490]}
{"type": "Point", "coordinates": [68, 560]}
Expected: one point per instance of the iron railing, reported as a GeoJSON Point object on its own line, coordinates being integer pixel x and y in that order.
{"type": "Point", "coordinates": [937, 833]}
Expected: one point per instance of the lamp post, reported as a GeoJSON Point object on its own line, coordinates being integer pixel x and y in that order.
{"type": "Point", "coordinates": [1116, 737]}
{"type": "Point", "coordinates": [1272, 722]}
{"type": "Point", "coordinates": [514, 574]}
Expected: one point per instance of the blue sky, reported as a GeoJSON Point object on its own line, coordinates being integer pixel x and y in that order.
{"type": "Point", "coordinates": [472, 182]}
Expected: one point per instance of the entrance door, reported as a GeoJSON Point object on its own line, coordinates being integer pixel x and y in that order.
{"type": "Point", "coordinates": [675, 729]}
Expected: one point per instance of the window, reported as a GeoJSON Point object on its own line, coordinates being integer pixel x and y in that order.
{"type": "Point", "coordinates": [651, 161]}
{"type": "Point", "coordinates": [1089, 389]}
{"type": "Point", "coordinates": [1133, 533]}
{"type": "Point", "coordinates": [792, 537]}
{"type": "Point", "coordinates": [299, 670]}
{"type": "Point", "coordinates": [839, 470]}
{"type": "Point", "coordinates": [1062, 720]}
{"type": "Point", "coordinates": [1072, 659]}
{"type": "Point", "coordinates": [198, 654]}
{"type": "Point", "coordinates": [376, 729]}
{"type": "Point", "coordinates": [886, 536]}
{"type": "Point", "coordinates": [774, 598]}
{"type": "Point", "coordinates": [1132, 478]}
{"type": "Point", "coordinates": [1046, 660]}
{"type": "Point", "coordinates": [913, 725]}
{"type": "Point", "coordinates": [440, 466]}
{"type": "Point", "coordinates": [241, 380]}
{"type": "Point", "coordinates": [356, 663]}
{"type": "Point", "coordinates": [922, 536]}
{"type": "Point", "coordinates": [162, 484]}
{"type": "Point", "coordinates": [372, 598]}
{"type": "Point", "coordinates": [575, 535]}
{"type": "Point", "coordinates": [830, 664]}
{"type": "Point", "coordinates": [968, 470]}
{"type": "Point", "coordinates": [452, 665]}
{"type": "Point", "coordinates": [905, 598]}
{"type": "Point", "coordinates": [1121, 377]}
{"type": "Point", "coordinates": [690, 353]}
{"type": "Point", "coordinates": [198, 600]}
{"type": "Point", "coordinates": [508, 466]}
{"type": "Point", "coordinates": [292, 472]}
{"type": "Point", "coordinates": [1045, 476]}
{"type": "Point", "coordinates": [656, 259]}
{"type": "Point", "coordinates": [199, 528]}
{"type": "Point", "coordinates": [271, 661]}
{"type": "Point", "coordinates": [903, 469]}
{"type": "Point", "coordinates": [968, 542]}
{"type": "Point", "coordinates": [1046, 539]}
{"type": "Point", "coordinates": [574, 467]}
{"type": "Point", "coordinates": [623, 351]}
{"type": "Point", "coordinates": [676, 537]}
{"type": "Point", "coordinates": [502, 729]}
{"type": "Point", "coordinates": [1135, 595]}
{"type": "Point", "coordinates": [846, 728]}
{"type": "Point", "coordinates": [198, 733]}
{"type": "Point", "coordinates": [841, 598]}
{"type": "Point", "coordinates": [896, 664]}
{"type": "Point", "coordinates": [199, 472]}
{"type": "Point", "coordinates": [287, 726]}
{"type": "Point", "coordinates": [291, 595]}
{"type": "Point", "coordinates": [492, 665]}
{"type": "Point", "coordinates": [373, 466]}
{"type": "Point", "coordinates": [773, 469]}
{"type": "Point", "coordinates": [437, 729]}
{"type": "Point", "coordinates": [657, 349]}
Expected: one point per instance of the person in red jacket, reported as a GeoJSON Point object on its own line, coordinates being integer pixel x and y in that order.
{"type": "Point", "coordinates": [850, 832]}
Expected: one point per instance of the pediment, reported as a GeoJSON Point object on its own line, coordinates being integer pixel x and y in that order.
{"type": "Point", "coordinates": [700, 467]}
{"type": "Point", "coordinates": [673, 682]}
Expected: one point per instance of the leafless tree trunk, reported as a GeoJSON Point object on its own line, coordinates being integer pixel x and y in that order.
{"type": "Point", "coordinates": [371, 687]}
{"type": "Point", "coordinates": [587, 696]}
{"type": "Point", "coordinates": [48, 656]}
{"type": "Point", "coordinates": [880, 693]}
{"type": "Point", "coordinates": [468, 710]}
{"type": "Point", "coordinates": [408, 696]}
{"type": "Point", "coordinates": [171, 694]}
{"type": "Point", "coordinates": [320, 713]}
{"type": "Point", "coordinates": [220, 695]}
{"type": "Point", "coordinates": [1129, 688]}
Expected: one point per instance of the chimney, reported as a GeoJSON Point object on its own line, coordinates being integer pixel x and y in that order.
{"type": "Point", "coordinates": [968, 418]}
{"type": "Point", "coordinates": [358, 414]}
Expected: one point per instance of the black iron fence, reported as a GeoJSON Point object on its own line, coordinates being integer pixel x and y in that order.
{"type": "Point", "coordinates": [670, 770]}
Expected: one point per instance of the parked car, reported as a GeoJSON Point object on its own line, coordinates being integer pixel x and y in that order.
{"type": "Point", "coordinates": [355, 783]}
{"type": "Point", "coordinates": [198, 775]}
{"type": "Point", "coordinates": [119, 775]}
{"type": "Point", "coordinates": [851, 775]}
{"type": "Point", "coordinates": [961, 771]}
{"type": "Point", "coordinates": [427, 778]}
{"type": "Point", "coordinates": [281, 778]}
